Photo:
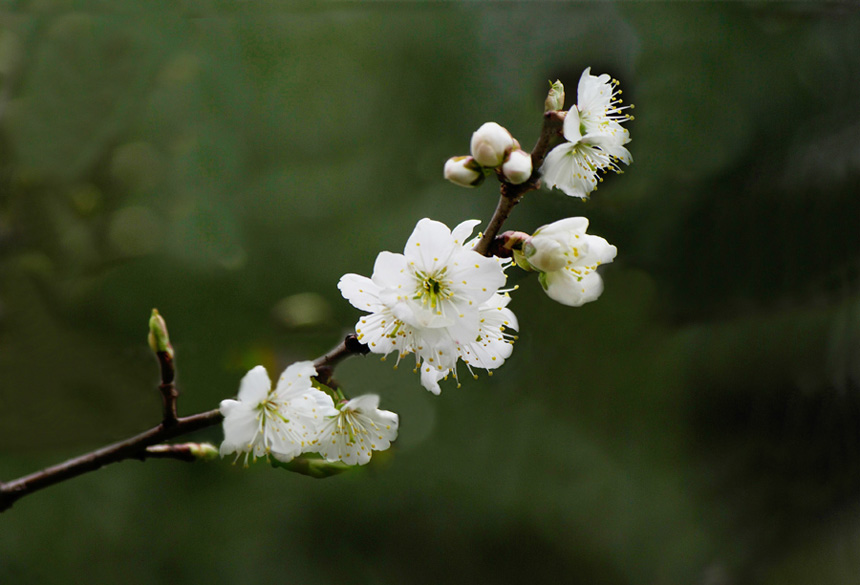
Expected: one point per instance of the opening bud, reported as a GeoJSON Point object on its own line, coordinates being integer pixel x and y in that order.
{"type": "Point", "coordinates": [518, 168]}
{"type": "Point", "coordinates": [490, 143]}
{"type": "Point", "coordinates": [464, 171]}
{"type": "Point", "coordinates": [545, 254]}
{"type": "Point", "coordinates": [555, 97]}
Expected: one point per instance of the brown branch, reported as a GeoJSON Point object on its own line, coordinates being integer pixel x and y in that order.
{"type": "Point", "coordinates": [326, 364]}
{"type": "Point", "coordinates": [169, 393]}
{"type": "Point", "coordinates": [511, 194]}
{"type": "Point", "coordinates": [131, 448]}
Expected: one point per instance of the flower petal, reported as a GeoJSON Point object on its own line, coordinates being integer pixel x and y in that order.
{"type": "Point", "coordinates": [255, 386]}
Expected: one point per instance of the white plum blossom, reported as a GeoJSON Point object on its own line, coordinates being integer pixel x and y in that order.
{"type": "Point", "coordinates": [463, 171]}
{"type": "Point", "coordinates": [599, 107]}
{"type": "Point", "coordinates": [358, 428]}
{"type": "Point", "coordinates": [595, 139]}
{"type": "Point", "coordinates": [490, 143]}
{"type": "Point", "coordinates": [518, 167]}
{"type": "Point", "coordinates": [282, 422]}
{"type": "Point", "coordinates": [567, 259]}
{"type": "Point", "coordinates": [486, 348]}
{"type": "Point", "coordinates": [431, 300]}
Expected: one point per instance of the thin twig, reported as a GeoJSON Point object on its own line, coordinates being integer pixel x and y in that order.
{"type": "Point", "coordinates": [325, 365]}
{"type": "Point", "coordinates": [169, 393]}
{"type": "Point", "coordinates": [188, 452]}
{"type": "Point", "coordinates": [12, 491]}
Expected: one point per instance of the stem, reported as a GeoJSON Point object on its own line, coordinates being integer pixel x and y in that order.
{"type": "Point", "coordinates": [169, 393]}
{"type": "Point", "coordinates": [511, 194]}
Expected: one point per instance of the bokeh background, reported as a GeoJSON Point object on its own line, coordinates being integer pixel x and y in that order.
{"type": "Point", "coordinates": [227, 162]}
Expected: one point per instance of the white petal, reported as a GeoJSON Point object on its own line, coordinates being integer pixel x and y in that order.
{"type": "Point", "coordinates": [430, 377]}
{"type": "Point", "coordinates": [463, 230]}
{"type": "Point", "coordinates": [390, 271]}
{"type": "Point", "coordinates": [571, 127]}
{"type": "Point", "coordinates": [475, 277]}
{"type": "Point", "coordinates": [566, 169]}
{"type": "Point", "coordinates": [240, 426]}
{"type": "Point", "coordinates": [564, 226]}
{"type": "Point", "coordinates": [295, 380]}
{"type": "Point", "coordinates": [361, 292]}
{"type": "Point", "coordinates": [255, 386]}
{"type": "Point", "coordinates": [429, 246]}
{"type": "Point", "coordinates": [564, 287]}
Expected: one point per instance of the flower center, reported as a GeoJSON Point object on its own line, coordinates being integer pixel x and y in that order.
{"type": "Point", "coordinates": [432, 289]}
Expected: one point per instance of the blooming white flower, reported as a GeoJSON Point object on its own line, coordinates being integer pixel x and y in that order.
{"type": "Point", "coordinates": [599, 107]}
{"type": "Point", "coordinates": [282, 422]}
{"type": "Point", "coordinates": [595, 139]}
{"type": "Point", "coordinates": [568, 258]}
{"type": "Point", "coordinates": [429, 300]}
{"type": "Point", "coordinates": [463, 171]}
{"type": "Point", "coordinates": [358, 428]}
{"type": "Point", "coordinates": [490, 143]}
{"type": "Point", "coordinates": [518, 167]}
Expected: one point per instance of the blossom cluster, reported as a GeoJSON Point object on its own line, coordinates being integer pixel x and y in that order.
{"type": "Point", "coordinates": [492, 147]}
{"type": "Point", "coordinates": [294, 418]}
{"type": "Point", "coordinates": [439, 300]}
{"type": "Point", "coordinates": [594, 138]}
{"type": "Point", "coordinates": [444, 298]}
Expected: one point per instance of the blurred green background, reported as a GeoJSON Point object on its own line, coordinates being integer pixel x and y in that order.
{"type": "Point", "coordinates": [227, 162]}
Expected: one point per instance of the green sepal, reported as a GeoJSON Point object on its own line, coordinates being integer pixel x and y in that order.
{"type": "Point", "coordinates": [312, 466]}
{"type": "Point", "coordinates": [335, 394]}
{"type": "Point", "coordinates": [542, 279]}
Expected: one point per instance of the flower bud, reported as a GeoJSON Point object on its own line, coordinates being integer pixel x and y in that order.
{"type": "Point", "coordinates": [490, 143]}
{"type": "Point", "coordinates": [555, 97]}
{"type": "Point", "coordinates": [518, 168]}
{"type": "Point", "coordinates": [464, 171]}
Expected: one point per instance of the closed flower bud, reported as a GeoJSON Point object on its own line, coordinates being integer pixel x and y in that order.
{"type": "Point", "coordinates": [555, 97]}
{"type": "Point", "coordinates": [518, 168]}
{"type": "Point", "coordinates": [490, 143]}
{"type": "Point", "coordinates": [464, 171]}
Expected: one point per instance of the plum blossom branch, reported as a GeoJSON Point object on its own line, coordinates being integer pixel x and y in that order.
{"type": "Point", "coordinates": [147, 445]}
{"type": "Point", "coordinates": [511, 194]}
{"type": "Point", "coordinates": [132, 448]}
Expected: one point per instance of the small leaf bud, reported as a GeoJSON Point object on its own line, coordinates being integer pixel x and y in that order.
{"type": "Point", "coordinates": [555, 97]}
{"type": "Point", "coordinates": [464, 171]}
{"type": "Point", "coordinates": [490, 143]}
{"type": "Point", "coordinates": [159, 340]}
{"type": "Point", "coordinates": [518, 168]}
{"type": "Point", "coordinates": [203, 451]}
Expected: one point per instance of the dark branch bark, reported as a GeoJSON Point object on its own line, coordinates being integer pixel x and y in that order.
{"type": "Point", "coordinates": [134, 447]}
{"type": "Point", "coordinates": [326, 364]}
{"type": "Point", "coordinates": [169, 393]}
